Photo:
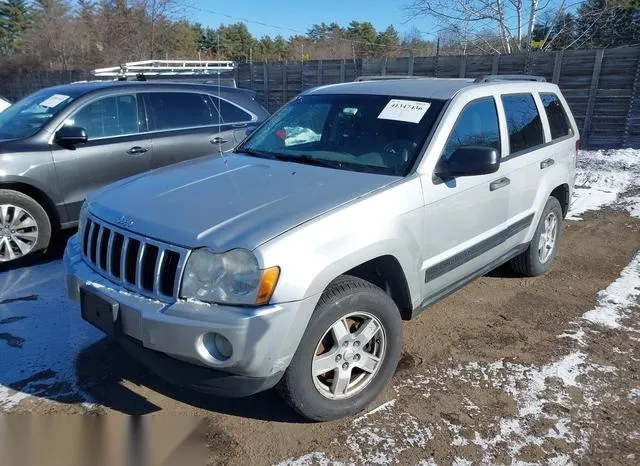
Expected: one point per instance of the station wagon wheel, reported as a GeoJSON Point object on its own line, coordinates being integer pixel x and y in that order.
{"type": "Point", "coordinates": [348, 355]}
{"type": "Point", "coordinates": [24, 226]}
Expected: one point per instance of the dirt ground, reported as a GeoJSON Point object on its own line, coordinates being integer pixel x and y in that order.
{"type": "Point", "coordinates": [505, 369]}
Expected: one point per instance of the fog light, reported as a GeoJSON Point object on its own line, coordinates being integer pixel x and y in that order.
{"type": "Point", "coordinates": [217, 346]}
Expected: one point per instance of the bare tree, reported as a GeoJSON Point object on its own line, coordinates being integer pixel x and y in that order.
{"type": "Point", "coordinates": [473, 16]}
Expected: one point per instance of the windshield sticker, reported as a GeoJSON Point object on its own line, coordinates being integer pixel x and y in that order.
{"type": "Point", "coordinates": [404, 110]}
{"type": "Point", "coordinates": [54, 100]}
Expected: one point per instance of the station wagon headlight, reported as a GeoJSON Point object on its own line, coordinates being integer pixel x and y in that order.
{"type": "Point", "coordinates": [233, 277]}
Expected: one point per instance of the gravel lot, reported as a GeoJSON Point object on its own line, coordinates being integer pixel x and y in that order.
{"type": "Point", "coordinates": [541, 371]}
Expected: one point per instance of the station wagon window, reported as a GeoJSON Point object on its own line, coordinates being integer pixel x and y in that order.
{"type": "Point", "coordinates": [107, 117]}
{"type": "Point", "coordinates": [476, 126]}
{"type": "Point", "coordinates": [176, 110]}
{"type": "Point", "coordinates": [523, 122]}
{"type": "Point", "coordinates": [558, 121]}
{"type": "Point", "coordinates": [229, 112]}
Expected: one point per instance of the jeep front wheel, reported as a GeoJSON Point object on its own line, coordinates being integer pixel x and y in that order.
{"type": "Point", "coordinates": [348, 353]}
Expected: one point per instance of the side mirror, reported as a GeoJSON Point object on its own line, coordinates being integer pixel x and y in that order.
{"type": "Point", "coordinates": [469, 161]}
{"type": "Point", "coordinates": [69, 136]}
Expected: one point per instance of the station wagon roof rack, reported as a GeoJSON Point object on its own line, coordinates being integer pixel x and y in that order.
{"type": "Point", "coordinates": [165, 68]}
{"type": "Point", "coordinates": [509, 77]}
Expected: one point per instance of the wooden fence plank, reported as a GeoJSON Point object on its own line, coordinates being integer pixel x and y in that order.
{"type": "Point", "coordinates": [633, 114]}
{"type": "Point", "coordinates": [595, 76]}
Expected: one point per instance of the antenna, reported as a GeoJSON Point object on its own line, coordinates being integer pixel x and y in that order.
{"type": "Point", "coordinates": [219, 111]}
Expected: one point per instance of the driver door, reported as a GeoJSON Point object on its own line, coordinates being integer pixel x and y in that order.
{"type": "Point", "coordinates": [465, 217]}
{"type": "Point", "coordinates": [116, 148]}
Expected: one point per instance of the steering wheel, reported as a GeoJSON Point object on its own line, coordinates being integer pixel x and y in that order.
{"type": "Point", "coordinates": [397, 153]}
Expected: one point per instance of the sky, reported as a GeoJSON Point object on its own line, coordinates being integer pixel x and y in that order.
{"type": "Point", "coordinates": [297, 16]}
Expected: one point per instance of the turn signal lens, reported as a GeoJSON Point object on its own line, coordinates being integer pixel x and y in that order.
{"type": "Point", "coordinates": [267, 285]}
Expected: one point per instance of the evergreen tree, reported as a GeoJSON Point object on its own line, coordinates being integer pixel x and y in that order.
{"type": "Point", "coordinates": [607, 24]}
{"type": "Point", "coordinates": [14, 20]}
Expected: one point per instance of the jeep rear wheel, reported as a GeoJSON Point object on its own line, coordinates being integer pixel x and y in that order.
{"type": "Point", "coordinates": [348, 353]}
{"type": "Point", "coordinates": [24, 226]}
{"type": "Point", "coordinates": [543, 248]}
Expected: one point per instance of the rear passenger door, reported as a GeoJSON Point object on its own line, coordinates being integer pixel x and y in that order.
{"type": "Point", "coordinates": [528, 153]}
{"type": "Point", "coordinates": [234, 119]}
{"type": "Point", "coordinates": [184, 126]}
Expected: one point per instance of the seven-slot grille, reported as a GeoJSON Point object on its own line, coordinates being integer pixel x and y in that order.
{"type": "Point", "coordinates": [148, 267]}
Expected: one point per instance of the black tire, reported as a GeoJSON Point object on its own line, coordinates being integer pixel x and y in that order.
{"type": "Point", "coordinates": [18, 199]}
{"type": "Point", "coordinates": [528, 263]}
{"type": "Point", "coordinates": [343, 296]}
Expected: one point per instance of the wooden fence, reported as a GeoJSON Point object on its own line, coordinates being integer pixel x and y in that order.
{"type": "Point", "coordinates": [602, 86]}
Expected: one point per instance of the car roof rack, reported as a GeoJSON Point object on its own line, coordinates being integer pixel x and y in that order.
{"type": "Point", "coordinates": [385, 77]}
{"type": "Point", "coordinates": [140, 70]}
{"type": "Point", "coordinates": [509, 77]}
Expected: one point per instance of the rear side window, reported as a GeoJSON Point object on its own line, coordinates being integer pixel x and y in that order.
{"type": "Point", "coordinates": [175, 110]}
{"type": "Point", "coordinates": [476, 126]}
{"type": "Point", "coordinates": [108, 117]}
{"type": "Point", "coordinates": [230, 113]}
{"type": "Point", "coordinates": [558, 121]}
{"type": "Point", "coordinates": [523, 122]}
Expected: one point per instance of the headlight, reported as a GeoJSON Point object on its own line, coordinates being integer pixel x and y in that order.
{"type": "Point", "coordinates": [230, 278]}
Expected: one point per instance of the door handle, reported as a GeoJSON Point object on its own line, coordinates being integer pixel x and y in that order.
{"type": "Point", "coordinates": [218, 140]}
{"type": "Point", "coordinates": [137, 150]}
{"type": "Point", "coordinates": [501, 183]}
{"type": "Point", "coordinates": [546, 163]}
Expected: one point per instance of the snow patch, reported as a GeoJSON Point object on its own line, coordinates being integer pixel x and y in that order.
{"type": "Point", "coordinates": [601, 176]}
{"type": "Point", "coordinates": [615, 301]}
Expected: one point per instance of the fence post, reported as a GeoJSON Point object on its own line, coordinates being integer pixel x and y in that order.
{"type": "Point", "coordinates": [595, 78]}
{"type": "Point", "coordinates": [463, 66]}
{"type": "Point", "coordinates": [343, 71]}
{"type": "Point", "coordinates": [634, 101]}
{"type": "Point", "coordinates": [557, 66]}
{"type": "Point", "coordinates": [319, 73]}
{"type": "Point", "coordinates": [383, 71]}
{"type": "Point", "coordinates": [412, 61]}
{"type": "Point", "coordinates": [265, 75]}
{"type": "Point", "coordinates": [495, 63]}
{"type": "Point", "coordinates": [284, 83]}
{"type": "Point", "coordinates": [251, 77]}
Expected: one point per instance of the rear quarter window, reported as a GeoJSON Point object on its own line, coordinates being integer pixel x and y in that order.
{"type": "Point", "coordinates": [523, 122]}
{"type": "Point", "coordinates": [558, 120]}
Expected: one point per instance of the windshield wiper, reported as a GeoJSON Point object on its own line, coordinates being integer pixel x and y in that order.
{"type": "Point", "coordinates": [308, 160]}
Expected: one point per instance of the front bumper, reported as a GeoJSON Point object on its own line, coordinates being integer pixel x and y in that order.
{"type": "Point", "coordinates": [263, 339]}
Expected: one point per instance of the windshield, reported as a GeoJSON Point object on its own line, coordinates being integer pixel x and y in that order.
{"type": "Point", "coordinates": [27, 116]}
{"type": "Point", "coordinates": [372, 133]}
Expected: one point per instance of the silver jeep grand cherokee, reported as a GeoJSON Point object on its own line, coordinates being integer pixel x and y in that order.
{"type": "Point", "coordinates": [293, 261]}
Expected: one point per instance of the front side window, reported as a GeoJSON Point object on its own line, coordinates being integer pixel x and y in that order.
{"type": "Point", "coordinates": [371, 133]}
{"type": "Point", "coordinates": [558, 121]}
{"type": "Point", "coordinates": [108, 117]}
{"type": "Point", "coordinates": [176, 110]}
{"type": "Point", "coordinates": [27, 116]}
{"type": "Point", "coordinates": [523, 122]}
{"type": "Point", "coordinates": [477, 126]}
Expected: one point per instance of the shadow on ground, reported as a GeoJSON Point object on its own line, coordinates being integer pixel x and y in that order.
{"type": "Point", "coordinates": [102, 367]}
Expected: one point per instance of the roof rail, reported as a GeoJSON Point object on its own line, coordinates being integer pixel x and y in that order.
{"type": "Point", "coordinates": [165, 68]}
{"type": "Point", "coordinates": [509, 77]}
{"type": "Point", "coordinates": [380, 78]}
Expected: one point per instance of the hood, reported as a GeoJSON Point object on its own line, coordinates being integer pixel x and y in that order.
{"type": "Point", "coordinates": [235, 202]}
